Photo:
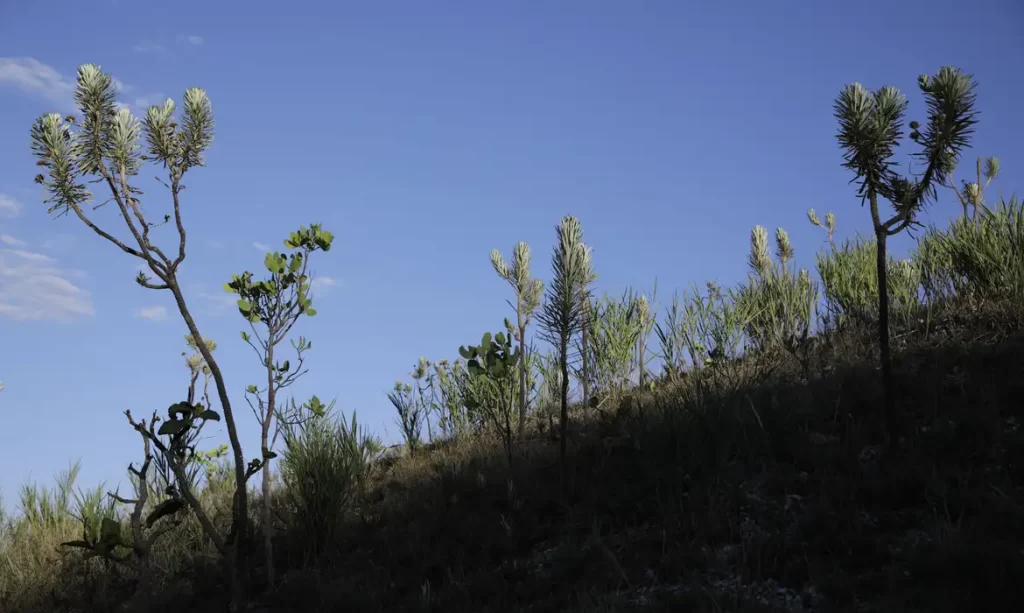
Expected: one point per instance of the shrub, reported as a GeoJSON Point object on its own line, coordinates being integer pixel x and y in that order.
{"type": "Point", "coordinates": [976, 261]}
{"type": "Point", "coordinates": [849, 279]}
{"type": "Point", "coordinates": [778, 301]}
{"type": "Point", "coordinates": [324, 467]}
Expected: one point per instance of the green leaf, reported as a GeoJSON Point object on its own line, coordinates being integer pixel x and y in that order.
{"type": "Point", "coordinates": [210, 415]}
{"type": "Point", "coordinates": [311, 312]}
{"type": "Point", "coordinates": [251, 389]}
{"type": "Point", "coordinates": [245, 336]}
{"type": "Point", "coordinates": [173, 426]}
{"type": "Point", "coordinates": [244, 306]}
{"type": "Point", "coordinates": [269, 455]}
{"type": "Point", "coordinates": [467, 352]}
{"type": "Point", "coordinates": [180, 408]}
{"type": "Point", "coordinates": [164, 509]}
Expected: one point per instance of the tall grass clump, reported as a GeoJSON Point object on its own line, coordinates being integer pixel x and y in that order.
{"type": "Point", "coordinates": [46, 516]}
{"type": "Point", "coordinates": [849, 280]}
{"type": "Point", "coordinates": [616, 325]}
{"type": "Point", "coordinates": [976, 260]}
{"type": "Point", "coordinates": [778, 300]}
{"type": "Point", "coordinates": [325, 467]}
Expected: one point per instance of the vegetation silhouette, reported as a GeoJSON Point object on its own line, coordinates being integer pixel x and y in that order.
{"type": "Point", "coordinates": [754, 472]}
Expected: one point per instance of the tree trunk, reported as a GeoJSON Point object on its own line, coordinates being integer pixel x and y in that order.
{"type": "Point", "coordinates": [640, 343]}
{"type": "Point", "coordinates": [268, 514]}
{"type": "Point", "coordinates": [564, 419]}
{"type": "Point", "coordinates": [583, 356]}
{"type": "Point", "coordinates": [508, 429]}
{"type": "Point", "coordinates": [240, 504]}
{"type": "Point", "coordinates": [883, 330]}
{"type": "Point", "coordinates": [523, 365]}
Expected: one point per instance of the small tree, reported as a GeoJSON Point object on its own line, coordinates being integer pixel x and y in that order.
{"type": "Point", "coordinates": [276, 305]}
{"type": "Point", "coordinates": [529, 292]}
{"type": "Point", "coordinates": [148, 522]}
{"type": "Point", "coordinates": [492, 365]}
{"type": "Point", "coordinates": [407, 403]}
{"type": "Point", "coordinates": [105, 148]}
{"type": "Point", "coordinates": [870, 129]}
{"type": "Point", "coordinates": [199, 460]}
{"type": "Point", "coordinates": [562, 314]}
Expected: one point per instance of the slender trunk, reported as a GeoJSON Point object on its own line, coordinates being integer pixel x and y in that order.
{"type": "Point", "coordinates": [586, 377]}
{"type": "Point", "coordinates": [240, 502]}
{"type": "Point", "coordinates": [883, 330]}
{"type": "Point", "coordinates": [881, 234]}
{"type": "Point", "coordinates": [268, 514]}
{"type": "Point", "coordinates": [640, 345]}
{"type": "Point", "coordinates": [141, 599]}
{"type": "Point", "coordinates": [523, 365]}
{"type": "Point", "coordinates": [564, 418]}
{"type": "Point", "coordinates": [508, 428]}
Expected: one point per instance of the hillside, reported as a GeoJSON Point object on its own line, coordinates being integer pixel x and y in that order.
{"type": "Point", "coordinates": [757, 491]}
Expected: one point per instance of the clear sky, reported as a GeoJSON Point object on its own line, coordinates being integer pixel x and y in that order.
{"type": "Point", "coordinates": [424, 135]}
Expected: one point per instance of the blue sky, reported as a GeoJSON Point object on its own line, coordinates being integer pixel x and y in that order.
{"type": "Point", "coordinates": [424, 135]}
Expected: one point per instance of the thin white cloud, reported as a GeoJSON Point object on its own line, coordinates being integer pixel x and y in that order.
{"type": "Point", "coordinates": [149, 48]}
{"type": "Point", "coordinates": [29, 255]}
{"type": "Point", "coordinates": [34, 77]}
{"type": "Point", "coordinates": [33, 287]}
{"type": "Point", "coordinates": [219, 304]}
{"type": "Point", "coordinates": [9, 207]}
{"type": "Point", "coordinates": [323, 283]}
{"type": "Point", "coordinates": [261, 246]}
{"type": "Point", "coordinates": [153, 313]}
{"type": "Point", "coordinates": [11, 241]}
{"type": "Point", "coordinates": [194, 39]}
{"type": "Point", "coordinates": [60, 243]}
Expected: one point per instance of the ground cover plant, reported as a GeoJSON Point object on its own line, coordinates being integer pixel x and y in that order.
{"type": "Point", "coordinates": [748, 470]}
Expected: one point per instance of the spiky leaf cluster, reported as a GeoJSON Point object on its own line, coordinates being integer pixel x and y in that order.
{"type": "Point", "coordinates": [829, 225]}
{"type": "Point", "coordinates": [528, 291]}
{"type": "Point", "coordinates": [562, 313]}
{"type": "Point", "coordinates": [107, 143]}
{"type": "Point", "coordinates": [871, 127]}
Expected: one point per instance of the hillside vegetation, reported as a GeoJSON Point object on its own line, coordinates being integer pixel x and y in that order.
{"type": "Point", "coordinates": [766, 447]}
